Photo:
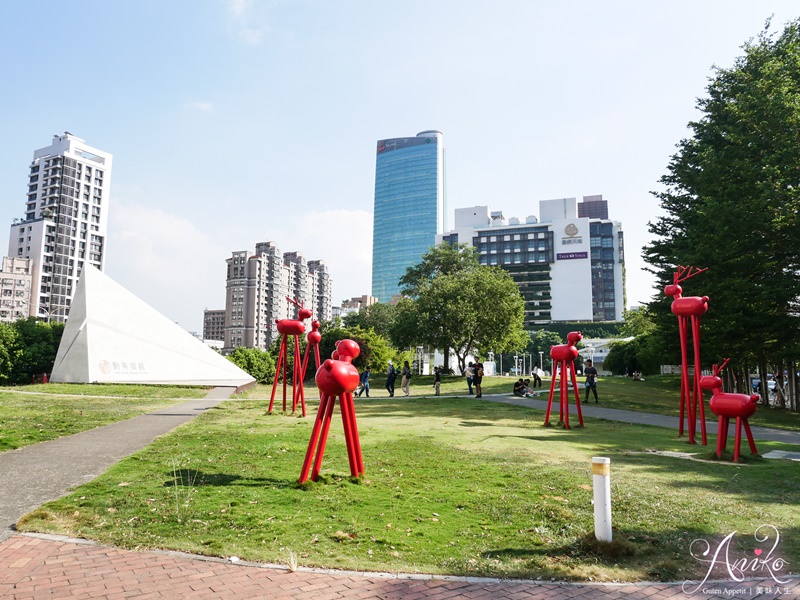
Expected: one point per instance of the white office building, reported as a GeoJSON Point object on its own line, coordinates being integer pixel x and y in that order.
{"type": "Point", "coordinates": [567, 267]}
{"type": "Point", "coordinates": [65, 223]}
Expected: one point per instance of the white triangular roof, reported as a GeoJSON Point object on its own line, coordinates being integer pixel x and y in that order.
{"type": "Point", "coordinates": [111, 336]}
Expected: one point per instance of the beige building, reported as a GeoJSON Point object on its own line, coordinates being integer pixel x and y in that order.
{"type": "Point", "coordinates": [15, 289]}
{"type": "Point", "coordinates": [214, 325]}
{"type": "Point", "coordinates": [257, 289]}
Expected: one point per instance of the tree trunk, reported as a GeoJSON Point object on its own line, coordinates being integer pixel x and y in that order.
{"type": "Point", "coordinates": [763, 389]}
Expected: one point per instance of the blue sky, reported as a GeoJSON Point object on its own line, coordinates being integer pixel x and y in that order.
{"type": "Point", "coordinates": [238, 121]}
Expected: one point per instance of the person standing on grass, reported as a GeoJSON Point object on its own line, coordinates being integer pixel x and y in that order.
{"type": "Point", "coordinates": [391, 376]}
{"type": "Point", "coordinates": [405, 379]}
{"type": "Point", "coordinates": [364, 383]}
{"type": "Point", "coordinates": [477, 379]}
{"type": "Point", "coordinates": [537, 380]}
{"type": "Point", "coordinates": [591, 380]}
{"type": "Point", "coordinates": [470, 373]}
{"type": "Point", "coordinates": [437, 379]}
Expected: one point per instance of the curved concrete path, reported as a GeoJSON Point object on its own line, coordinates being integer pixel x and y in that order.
{"type": "Point", "coordinates": [41, 566]}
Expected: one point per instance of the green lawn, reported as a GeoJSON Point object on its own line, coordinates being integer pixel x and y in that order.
{"type": "Point", "coordinates": [37, 413]}
{"type": "Point", "coordinates": [453, 485]}
{"type": "Point", "coordinates": [658, 394]}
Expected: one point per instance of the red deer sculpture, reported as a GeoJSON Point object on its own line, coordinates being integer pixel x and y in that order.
{"type": "Point", "coordinates": [565, 354]}
{"type": "Point", "coordinates": [294, 328]}
{"type": "Point", "coordinates": [689, 310]}
{"type": "Point", "coordinates": [337, 377]}
{"type": "Point", "coordinates": [726, 406]}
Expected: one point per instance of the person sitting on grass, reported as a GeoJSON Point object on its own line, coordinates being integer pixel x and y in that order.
{"type": "Point", "coordinates": [528, 390]}
{"type": "Point", "coordinates": [519, 388]}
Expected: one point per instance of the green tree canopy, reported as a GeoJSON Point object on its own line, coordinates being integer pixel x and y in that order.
{"type": "Point", "coordinates": [260, 364]}
{"type": "Point", "coordinates": [732, 204]}
{"type": "Point", "coordinates": [378, 317]}
{"type": "Point", "coordinates": [444, 259]}
{"type": "Point", "coordinates": [36, 346]}
{"type": "Point", "coordinates": [375, 350]}
{"type": "Point", "coordinates": [9, 353]}
{"type": "Point", "coordinates": [477, 310]}
{"type": "Point", "coordinates": [638, 321]}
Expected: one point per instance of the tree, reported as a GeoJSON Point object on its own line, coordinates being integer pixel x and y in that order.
{"type": "Point", "coordinates": [476, 310]}
{"type": "Point", "coordinates": [732, 203]}
{"type": "Point", "coordinates": [637, 322]}
{"type": "Point", "coordinates": [379, 317]}
{"type": "Point", "coordinates": [541, 341]}
{"type": "Point", "coordinates": [36, 346]}
{"type": "Point", "coordinates": [444, 259]}
{"type": "Point", "coordinates": [9, 352]}
{"type": "Point", "coordinates": [258, 363]}
{"type": "Point", "coordinates": [375, 350]}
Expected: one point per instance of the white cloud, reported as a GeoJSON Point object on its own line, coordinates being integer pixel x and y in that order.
{"type": "Point", "coordinates": [171, 263]}
{"type": "Point", "coordinates": [247, 22]}
{"type": "Point", "coordinates": [166, 261]}
{"type": "Point", "coordinates": [200, 106]}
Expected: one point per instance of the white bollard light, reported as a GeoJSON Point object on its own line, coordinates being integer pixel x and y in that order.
{"type": "Point", "coordinates": [601, 474]}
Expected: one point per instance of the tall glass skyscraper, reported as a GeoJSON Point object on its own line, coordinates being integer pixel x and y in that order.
{"type": "Point", "coordinates": [409, 207]}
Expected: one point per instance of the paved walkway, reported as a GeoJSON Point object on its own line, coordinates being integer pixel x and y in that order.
{"type": "Point", "coordinates": [41, 566]}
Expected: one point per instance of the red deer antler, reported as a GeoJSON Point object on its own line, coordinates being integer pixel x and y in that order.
{"type": "Point", "coordinates": [684, 273]}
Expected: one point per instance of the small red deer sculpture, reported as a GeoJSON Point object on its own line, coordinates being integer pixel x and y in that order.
{"type": "Point", "coordinates": [337, 377]}
{"type": "Point", "coordinates": [565, 354]}
{"type": "Point", "coordinates": [726, 406]}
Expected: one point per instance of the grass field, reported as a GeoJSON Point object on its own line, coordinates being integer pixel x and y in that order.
{"type": "Point", "coordinates": [37, 413]}
{"type": "Point", "coordinates": [453, 485]}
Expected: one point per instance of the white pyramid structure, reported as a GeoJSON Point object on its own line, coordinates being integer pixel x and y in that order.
{"type": "Point", "coordinates": [111, 336]}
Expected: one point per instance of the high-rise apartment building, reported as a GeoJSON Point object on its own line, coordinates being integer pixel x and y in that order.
{"type": "Point", "coordinates": [65, 223]}
{"type": "Point", "coordinates": [409, 207]}
{"type": "Point", "coordinates": [257, 289]}
{"type": "Point", "coordinates": [15, 289]}
{"type": "Point", "coordinates": [568, 268]}
{"type": "Point", "coordinates": [214, 325]}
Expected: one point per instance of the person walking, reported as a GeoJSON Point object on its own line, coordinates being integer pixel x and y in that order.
{"type": "Point", "coordinates": [437, 379]}
{"type": "Point", "coordinates": [477, 379]}
{"type": "Point", "coordinates": [364, 383]}
{"type": "Point", "coordinates": [405, 379]}
{"type": "Point", "coordinates": [537, 379]}
{"type": "Point", "coordinates": [391, 376]}
{"type": "Point", "coordinates": [591, 380]}
{"type": "Point", "coordinates": [470, 373]}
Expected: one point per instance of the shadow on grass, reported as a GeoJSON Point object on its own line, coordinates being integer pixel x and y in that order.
{"type": "Point", "coordinates": [194, 478]}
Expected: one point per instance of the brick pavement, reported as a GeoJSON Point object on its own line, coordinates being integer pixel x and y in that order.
{"type": "Point", "coordinates": [39, 567]}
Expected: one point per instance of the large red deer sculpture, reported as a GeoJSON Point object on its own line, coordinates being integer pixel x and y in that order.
{"type": "Point", "coordinates": [689, 310]}
{"type": "Point", "coordinates": [294, 328]}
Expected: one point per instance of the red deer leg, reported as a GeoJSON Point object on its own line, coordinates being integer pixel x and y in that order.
{"type": "Point", "coordinates": [281, 358]}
